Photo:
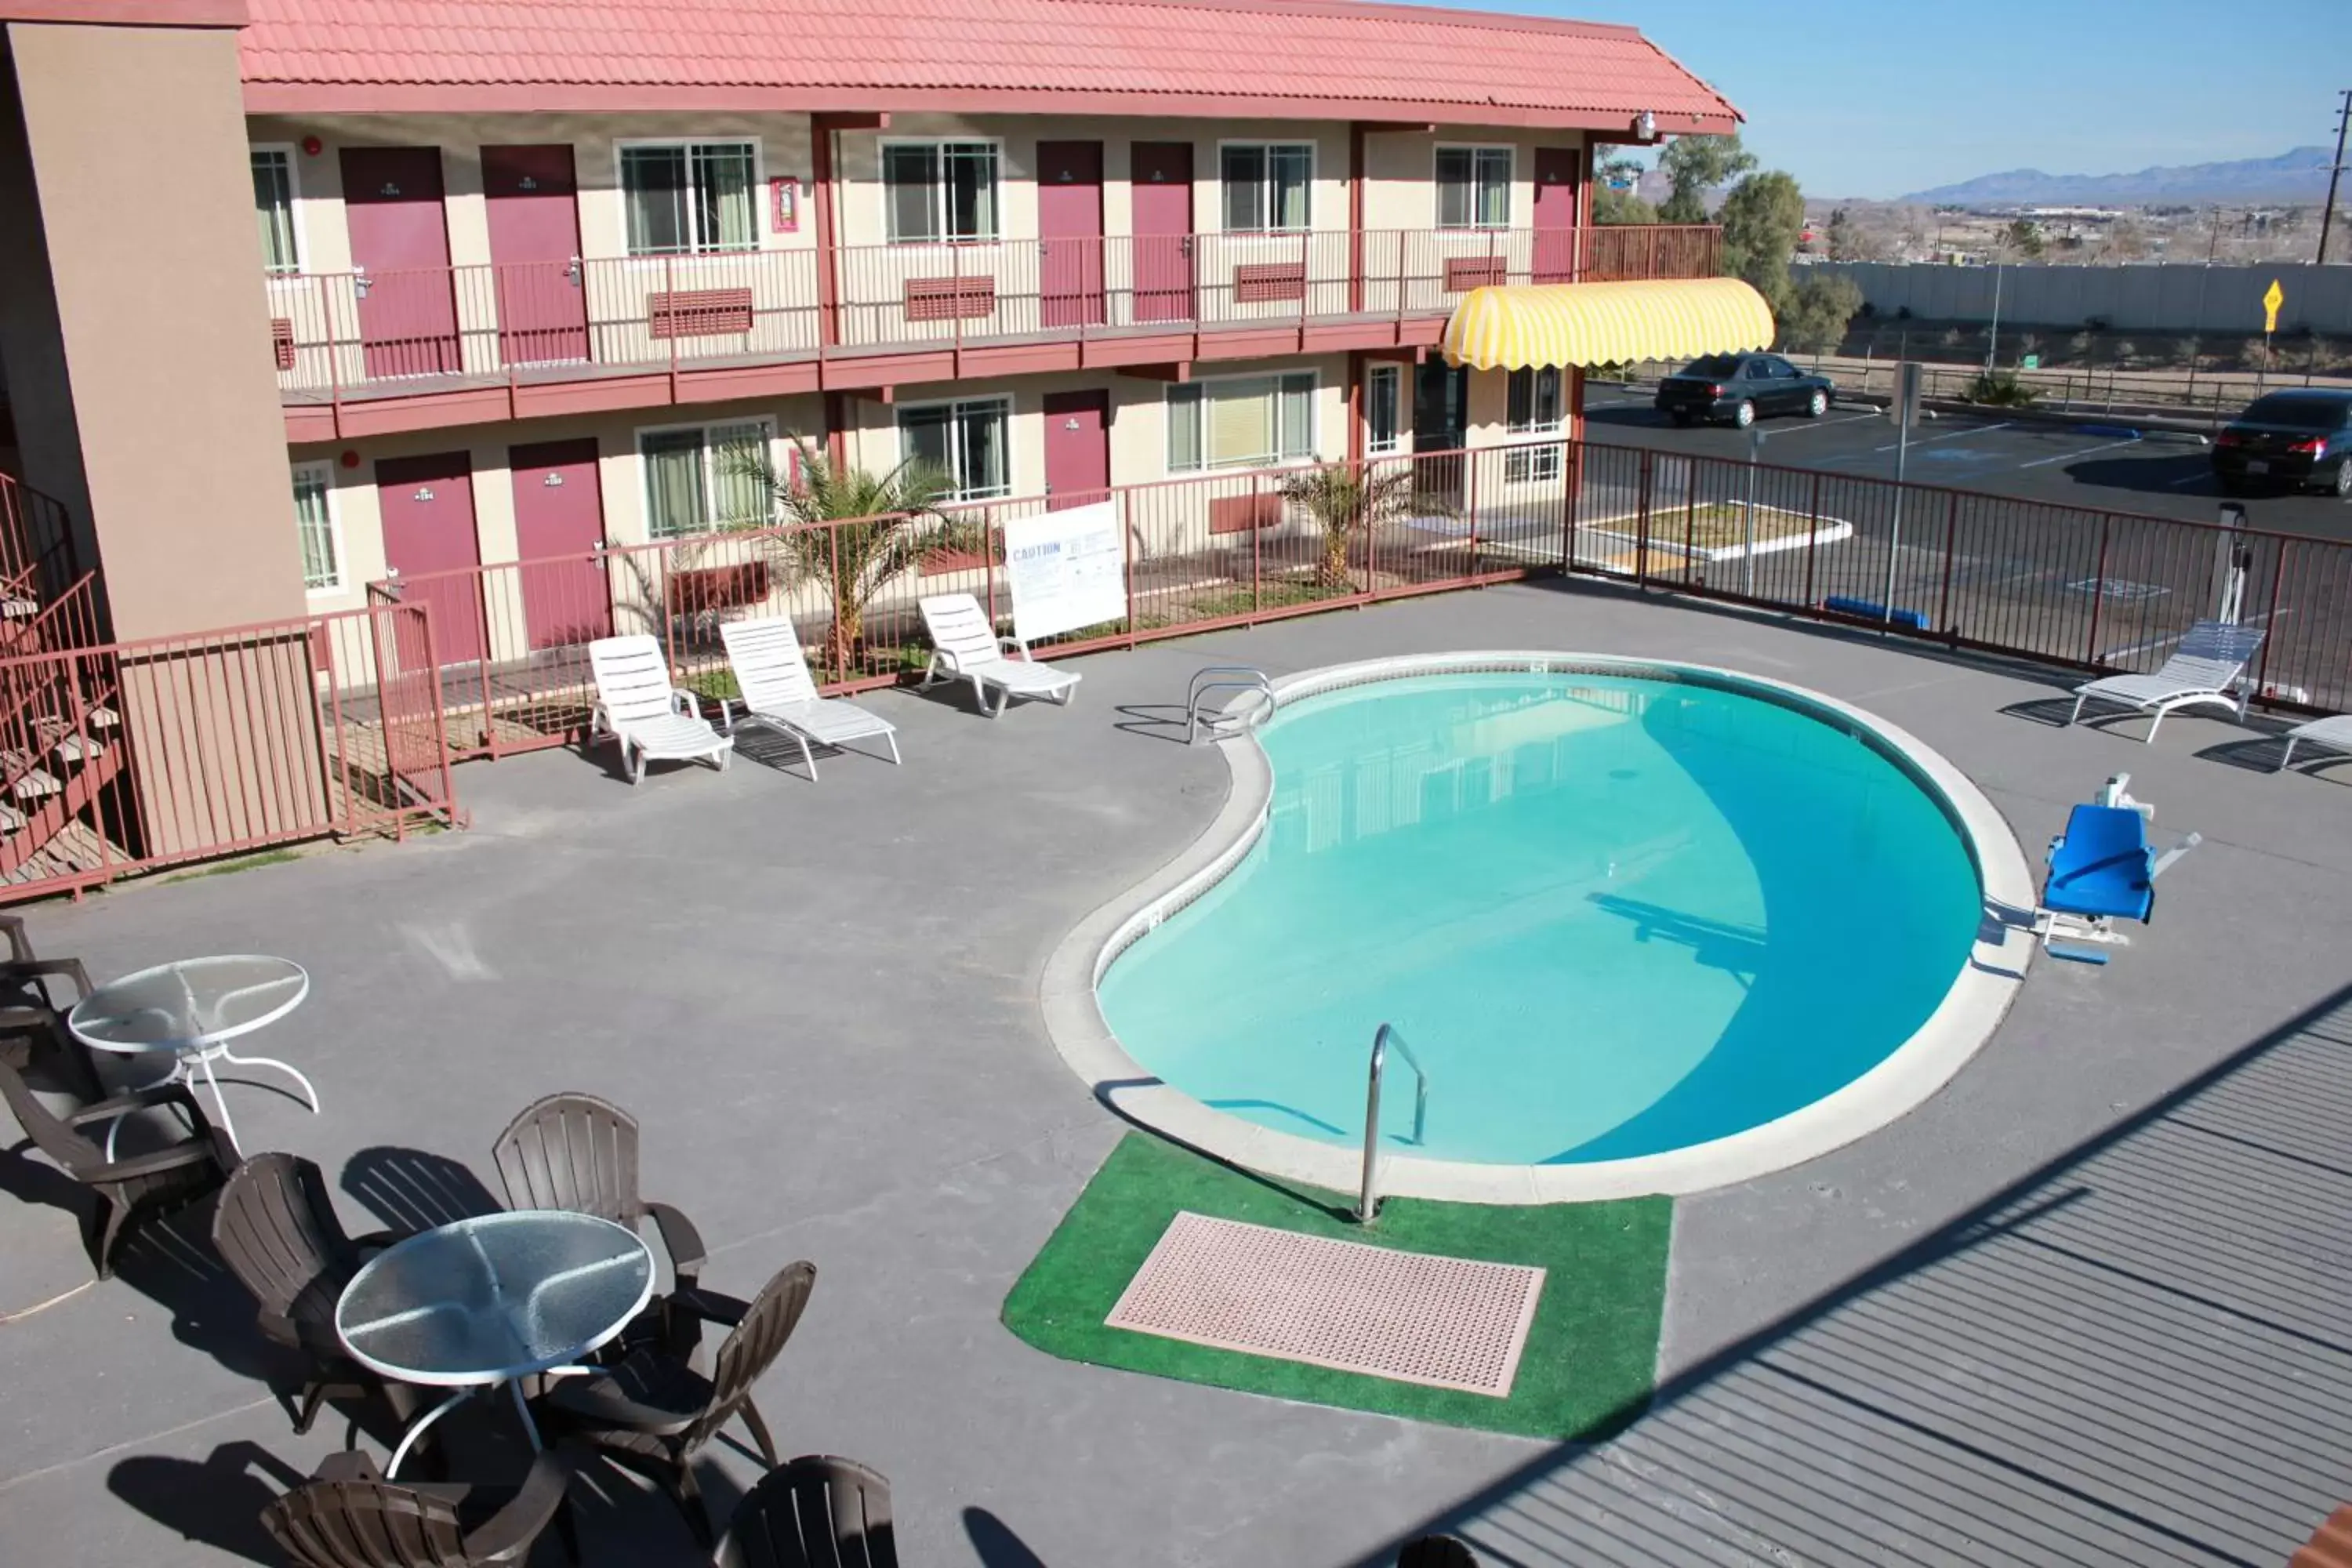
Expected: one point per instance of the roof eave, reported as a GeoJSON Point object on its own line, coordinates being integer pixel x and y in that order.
{"type": "Point", "coordinates": [549, 98]}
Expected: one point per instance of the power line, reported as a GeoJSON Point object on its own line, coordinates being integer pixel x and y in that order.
{"type": "Point", "coordinates": [2335, 171]}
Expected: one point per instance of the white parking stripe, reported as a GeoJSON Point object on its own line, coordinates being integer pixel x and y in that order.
{"type": "Point", "coordinates": [1819, 425]}
{"type": "Point", "coordinates": [1971, 430]}
{"type": "Point", "coordinates": [2196, 478]}
{"type": "Point", "coordinates": [2066, 457]}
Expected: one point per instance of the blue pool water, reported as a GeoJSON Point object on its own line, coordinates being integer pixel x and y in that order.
{"type": "Point", "coordinates": [1613, 916]}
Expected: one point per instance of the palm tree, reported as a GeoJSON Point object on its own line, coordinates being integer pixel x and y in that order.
{"type": "Point", "coordinates": [1351, 500]}
{"type": "Point", "coordinates": [853, 533]}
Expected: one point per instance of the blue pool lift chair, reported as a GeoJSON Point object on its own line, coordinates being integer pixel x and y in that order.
{"type": "Point", "coordinates": [2102, 869]}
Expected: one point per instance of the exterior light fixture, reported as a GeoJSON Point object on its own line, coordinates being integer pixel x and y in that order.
{"type": "Point", "coordinates": [312, 146]}
{"type": "Point", "coordinates": [1645, 126]}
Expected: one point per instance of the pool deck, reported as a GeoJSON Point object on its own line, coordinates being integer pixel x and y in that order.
{"type": "Point", "coordinates": [2089, 1304]}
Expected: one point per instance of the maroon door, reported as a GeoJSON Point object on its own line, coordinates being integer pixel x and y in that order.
{"type": "Point", "coordinates": [1078, 448]}
{"type": "Point", "coordinates": [1555, 201]}
{"type": "Point", "coordinates": [400, 243]}
{"type": "Point", "coordinates": [535, 251]}
{"type": "Point", "coordinates": [1070, 233]}
{"type": "Point", "coordinates": [559, 525]}
{"type": "Point", "coordinates": [427, 505]}
{"type": "Point", "coordinates": [1163, 231]}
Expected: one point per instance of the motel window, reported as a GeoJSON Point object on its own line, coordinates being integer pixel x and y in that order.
{"type": "Point", "coordinates": [1266, 185]}
{"type": "Point", "coordinates": [273, 210]}
{"type": "Point", "coordinates": [690, 198]}
{"type": "Point", "coordinates": [314, 521]}
{"type": "Point", "coordinates": [707, 479]}
{"type": "Point", "coordinates": [1473, 187]}
{"type": "Point", "coordinates": [1241, 422]}
{"type": "Point", "coordinates": [1535, 409]}
{"type": "Point", "coordinates": [940, 190]}
{"type": "Point", "coordinates": [967, 441]}
{"type": "Point", "coordinates": [1383, 410]}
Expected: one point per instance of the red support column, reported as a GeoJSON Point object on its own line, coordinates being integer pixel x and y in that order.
{"type": "Point", "coordinates": [1355, 216]}
{"type": "Point", "coordinates": [821, 202]}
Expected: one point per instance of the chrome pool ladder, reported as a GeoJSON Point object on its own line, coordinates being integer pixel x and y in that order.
{"type": "Point", "coordinates": [1367, 1200]}
{"type": "Point", "coordinates": [1224, 677]}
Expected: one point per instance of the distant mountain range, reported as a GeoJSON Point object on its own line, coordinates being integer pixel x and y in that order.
{"type": "Point", "coordinates": [2296, 177]}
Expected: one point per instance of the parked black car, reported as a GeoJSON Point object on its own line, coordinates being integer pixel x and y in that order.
{"type": "Point", "coordinates": [1738, 387]}
{"type": "Point", "coordinates": [2294, 440]}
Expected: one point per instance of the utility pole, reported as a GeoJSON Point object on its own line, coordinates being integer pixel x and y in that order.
{"type": "Point", "coordinates": [2335, 171]}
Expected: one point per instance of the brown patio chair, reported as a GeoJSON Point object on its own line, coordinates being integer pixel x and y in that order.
{"type": "Point", "coordinates": [276, 1228]}
{"type": "Point", "coordinates": [655, 1411]}
{"type": "Point", "coordinates": [816, 1512]}
{"type": "Point", "coordinates": [157, 1169]}
{"type": "Point", "coordinates": [1436, 1551]}
{"type": "Point", "coordinates": [578, 1152]}
{"type": "Point", "coordinates": [347, 1516]}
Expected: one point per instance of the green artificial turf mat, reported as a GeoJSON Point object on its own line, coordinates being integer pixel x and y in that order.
{"type": "Point", "coordinates": [1590, 1353]}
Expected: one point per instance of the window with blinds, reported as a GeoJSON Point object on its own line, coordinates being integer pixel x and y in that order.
{"type": "Point", "coordinates": [968, 441]}
{"type": "Point", "coordinates": [1473, 187]}
{"type": "Point", "coordinates": [273, 210]}
{"type": "Point", "coordinates": [940, 191]}
{"type": "Point", "coordinates": [1534, 408]}
{"type": "Point", "coordinates": [690, 198]}
{"type": "Point", "coordinates": [1241, 422]}
{"type": "Point", "coordinates": [707, 479]}
{"type": "Point", "coordinates": [314, 521]}
{"type": "Point", "coordinates": [1266, 185]}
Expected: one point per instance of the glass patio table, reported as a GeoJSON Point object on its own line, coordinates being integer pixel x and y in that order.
{"type": "Point", "coordinates": [492, 1299]}
{"type": "Point", "coordinates": [192, 1009]}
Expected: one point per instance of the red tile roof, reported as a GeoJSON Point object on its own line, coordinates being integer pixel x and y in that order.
{"type": "Point", "coordinates": [1280, 58]}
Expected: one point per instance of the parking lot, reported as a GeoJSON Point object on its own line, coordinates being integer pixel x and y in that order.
{"type": "Point", "coordinates": [2094, 463]}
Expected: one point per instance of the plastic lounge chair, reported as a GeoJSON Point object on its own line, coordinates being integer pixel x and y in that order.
{"type": "Point", "coordinates": [166, 1168]}
{"type": "Point", "coordinates": [653, 720]}
{"type": "Point", "coordinates": [816, 1512]}
{"type": "Point", "coordinates": [2102, 869]}
{"type": "Point", "coordinates": [655, 1412]}
{"type": "Point", "coordinates": [578, 1152]}
{"type": "Point", "coordinates": [2332, 734]}
{"type": "Point", "coordinates": [965, 647]}
{"type": "Point", "coordinates": [2211, 659]}
{"type": "Point", "coordinates": [349, 1516]}
{"type": "Point", "coordinates": [276, 1228]}
{"type": "Point", "coordinates": [774, 675]}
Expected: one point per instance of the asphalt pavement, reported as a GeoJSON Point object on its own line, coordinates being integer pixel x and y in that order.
{"type": "Point", "coordinates": [2094, 463]}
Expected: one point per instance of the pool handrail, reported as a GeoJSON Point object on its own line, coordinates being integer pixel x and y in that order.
{"type": "Point", "coordinates": [1234, 677]}
{"type": "Point", "coordinates": [1368, 1202]}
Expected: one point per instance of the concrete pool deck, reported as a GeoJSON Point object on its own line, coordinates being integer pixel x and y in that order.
{"type": "Point", "coordinates": [2088, 1304]}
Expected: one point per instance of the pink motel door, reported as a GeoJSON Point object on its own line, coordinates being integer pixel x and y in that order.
{"type": "Point", "coordinates": [400, 245]}
{"type": "Point", "coordinates": [427, 504]}
{"type": "Point", "coordinates": [1070, 233]}
{"type": "Point", "coordinates": [559, 525]}
{"type": "Point", "coordinates": [1078, 448]}
{"type": "Point", "coordinates": [534, 222]}
{"type": "Point", "coordinates": [1162, 186]}
{"type": "Point", "coordinates": [1556, 191]}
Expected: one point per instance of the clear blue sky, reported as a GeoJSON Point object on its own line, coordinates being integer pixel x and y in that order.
{"type": "Point", "coordinates": [1878, 100]}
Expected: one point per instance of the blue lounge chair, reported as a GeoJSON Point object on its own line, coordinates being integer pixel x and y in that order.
{"type": "Point", "coordinates": [2102, 869]}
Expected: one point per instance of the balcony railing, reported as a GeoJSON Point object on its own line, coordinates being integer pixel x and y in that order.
{"type": "Point", "coordinates": [337, 334]}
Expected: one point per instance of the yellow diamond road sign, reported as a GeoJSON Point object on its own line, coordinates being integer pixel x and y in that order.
{"type": "Point", "coordinates": [2271, 300]}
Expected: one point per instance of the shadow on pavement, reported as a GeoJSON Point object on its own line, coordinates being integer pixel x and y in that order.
{"type": "Point", "coordinates": [995, 1543]}
{"type": "Point", "coordinates": [217, 1503]}
{"type": "Point", "coordinates": [410, 1189]}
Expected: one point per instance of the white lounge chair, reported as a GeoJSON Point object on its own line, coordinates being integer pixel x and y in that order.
{"type": "Point", "coordinates": [2211, 661]}
{"type": "Point", "coordinates": [774, 675]}
{"type": "Point", "coordinates": [2332, 733]}
{"type": "Point", "coordinates": [966, 647]}
{"type": "Point", "coordinates": [635, 703]}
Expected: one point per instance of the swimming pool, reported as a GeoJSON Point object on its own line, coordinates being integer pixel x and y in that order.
{"type": "Point", "coordinates": [1623, 913]}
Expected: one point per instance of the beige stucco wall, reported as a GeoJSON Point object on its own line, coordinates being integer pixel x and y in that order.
{"type": "Point", "coordinates": [182, 454]}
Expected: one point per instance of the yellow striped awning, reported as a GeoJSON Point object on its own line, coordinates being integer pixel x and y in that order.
{"type": "Point", "coordinates": [1606, 323]}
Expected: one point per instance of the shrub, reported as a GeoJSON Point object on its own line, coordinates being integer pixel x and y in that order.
{"type": "Point", "coordinates": [2001, 389]}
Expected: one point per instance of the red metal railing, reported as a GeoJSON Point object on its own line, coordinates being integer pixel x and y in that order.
{"type": "Point", "coordinates": [339, 333]}
{"type": "Point", "coordinates": [120, 757]}
{"type": "Point", "coordinates": [37, 560]}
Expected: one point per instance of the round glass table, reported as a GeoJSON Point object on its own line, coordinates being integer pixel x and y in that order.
{"type": "Point", "coordinates": [191, 1009]}
{"type": "Point", "coordinates": [487, 1300]}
